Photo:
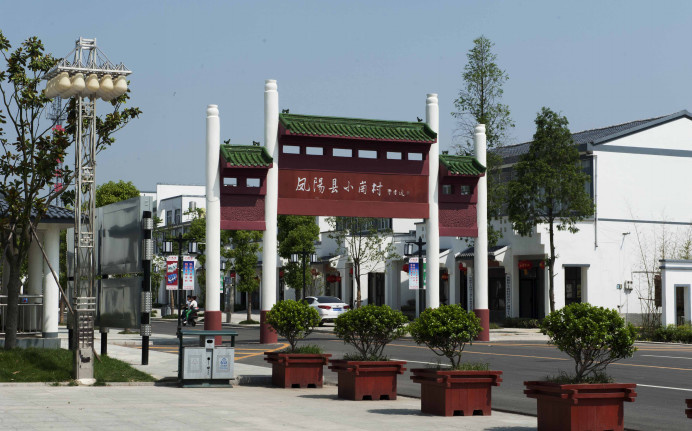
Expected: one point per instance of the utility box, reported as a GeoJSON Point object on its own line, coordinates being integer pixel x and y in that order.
{"type": "Point", "coordinates": [206, 364]}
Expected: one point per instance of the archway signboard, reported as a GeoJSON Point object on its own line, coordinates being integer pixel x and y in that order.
{"type": "Point", "coordinates": [334, 166]}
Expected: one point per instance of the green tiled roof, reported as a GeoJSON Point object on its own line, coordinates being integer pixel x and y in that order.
{"type": "Point", "coordinates": [462, 165]}
{"type": "Point", "coordinates": [309, 125]}
{"type": "Point", "coordinates": [246, 156]}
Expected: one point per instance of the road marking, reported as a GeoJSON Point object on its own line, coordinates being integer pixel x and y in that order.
{"type": "Point", "coordinates": [671, 357]}
{"type": "Point", "coordinates": [664, 387]}
{"type": "Point", "coordinates": [421, 362]}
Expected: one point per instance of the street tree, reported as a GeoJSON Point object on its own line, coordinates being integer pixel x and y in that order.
{"type": "Point", "coordinates": [479, 103]}
{"type": "Point", "coordinates": [365, 244]}
{"type": "Point", "coordinates": [112, 192]}
{"type": "Point", "coordinates": [297, 234]}
{"type": "Point", "coordinates": [549, 186]}
{"type": "Point", "coordinates": [245, 246]}
{"type": "Point", "coordinates": [32, 149]}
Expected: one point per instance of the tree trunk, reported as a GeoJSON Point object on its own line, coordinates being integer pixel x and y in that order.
{"type": "Point", "coordinates": [249, 306]}
{"type": "Point", "coordinates": [12, 318]}
{"type": "Point", "coordinates": [551, 269]}
{"type": "Point", "coordinates": [359, 300]}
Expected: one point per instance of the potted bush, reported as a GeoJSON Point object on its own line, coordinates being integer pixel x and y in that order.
{"type": "Point", "coordinates": [297, 366]}
{"type": "Point", "coordinates": [465, 388]}
{"type": "Point", "coordinates": [368, 374]}
{"type": "Point", "coordinates": [593, 337]}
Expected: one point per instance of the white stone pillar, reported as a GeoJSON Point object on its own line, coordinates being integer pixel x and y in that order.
{"type": "Point", "coordinates": [480, 259]}
{"type": "Point", "coordinates": [432, 226]}
{"type": "Point", "coordinates": [212, 309]}
{"type": "Point", "coordinates": [35, 282]}
{"type": "Point", "coordinates": [271, 200]}
{"type": "Point", "coordinates": [51, 293]}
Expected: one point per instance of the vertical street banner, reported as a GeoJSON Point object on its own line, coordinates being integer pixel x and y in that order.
{"type": "Point", "coordinates": [171, 273]}
{"type": "Point", "coordinates": [188, 273]}
{"type": "Point", "coordinates": [413, 274]}
{"type": "Point", "coordinates": [416, 277]}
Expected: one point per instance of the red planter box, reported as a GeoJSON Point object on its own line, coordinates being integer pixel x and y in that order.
{"type": "Point", "coordinates": [581, 406]}
{"type": "Point", "coordinates": [446, 392]}
{"type": "Point", "coordinates": [688, 410]}
{"type": "Point", "coordinates": [375, 380]}
{"type": "Point", "coordinates": [296, 370]}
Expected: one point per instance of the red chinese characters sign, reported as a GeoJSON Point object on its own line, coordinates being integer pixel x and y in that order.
{"type": "Point", "coordinates": [307, 192]}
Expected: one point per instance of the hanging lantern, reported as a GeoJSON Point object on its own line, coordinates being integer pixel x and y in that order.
{"type": "Point", "coordinates": [462, 268]}
{"type": "Point", "coordinates": [338, 279]}
{"type": "Point", "coordinates": [281, 273]}
{"type": "Point", "coordinates": [525, 265]}
{"type": "Point", "coordinates": [542, 264]}
{"type": "Point", "coordinates": [445, 276]}
{"type": "Point", "coordinates": [231, 274]}
{"type": "Point", "coordinates": [404, 267]}
{"type": "Point", "coordinates": [350, 271]}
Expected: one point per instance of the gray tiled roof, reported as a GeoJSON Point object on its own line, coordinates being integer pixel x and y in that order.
{"type": "Point", "coordinates": [492, 251]}
{"type": "Point", "coordinates": [512, 153]}
{"type": "Point", "coordinates": [54, 214]}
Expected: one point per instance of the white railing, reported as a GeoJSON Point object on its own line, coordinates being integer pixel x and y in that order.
{"type": "Point", "coordinates": [30, 314]}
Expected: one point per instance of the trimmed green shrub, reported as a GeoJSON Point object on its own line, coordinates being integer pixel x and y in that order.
{"type": "Point", "coordinates": [674, 334]}
{"type": "Point", "coordinates": [521, 322]}
{"type": "Point", "coordinates": [369, 329]}
{"type": "Point", "coordinates": [446, 330]}
{"type": "Point", "coordinates": [592, 336]}
{"type": "Point", "coordinates": [293, 320]}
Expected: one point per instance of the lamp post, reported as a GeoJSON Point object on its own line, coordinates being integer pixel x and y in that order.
{"type": "Point", "coordinates": [87, 76]}
{"type": "Point", "coordinates": [408, 251]}
{"type": "Point", "coordinates": [302, 255]}
{"type": "Point", "coordinates": [168, 249]}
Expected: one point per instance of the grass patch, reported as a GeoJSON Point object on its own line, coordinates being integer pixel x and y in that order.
{"type": "Point", "coordinates": [128, 331]}
{"type": "Point", "coordinates": [310, 348]}
{"type": "Point", "coordinates": [170, 316]}
{"type": "Point", "coordinates": [359, 357]}
{"type": "Point", "coordinates": [567, 379]}
{"type": "Point", "coordinates": [249, 322]}
{"type": "Point", "coordinates": [55, 365]}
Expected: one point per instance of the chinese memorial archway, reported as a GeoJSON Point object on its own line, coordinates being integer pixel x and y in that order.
{"type": "Point", "coordinates": [332, 166]}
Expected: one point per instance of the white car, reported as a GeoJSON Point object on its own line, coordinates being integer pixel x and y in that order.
{"type": "Point", "coordinates": [329, 307]}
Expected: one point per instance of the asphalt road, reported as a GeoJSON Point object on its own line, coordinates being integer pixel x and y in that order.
{"type": "Point", "coordinates": [662, 372]}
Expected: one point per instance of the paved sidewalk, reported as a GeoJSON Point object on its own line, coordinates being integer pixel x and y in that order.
{"type": "Point", "coordinates": [251, 404]}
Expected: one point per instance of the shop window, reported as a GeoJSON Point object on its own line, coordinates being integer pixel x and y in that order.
{"type": "Point", "coordinates": [446, 189]}
{"type": "Point", "coordinates": [572, 285]}
{"type": "Point", "coordinates": [465, 190]}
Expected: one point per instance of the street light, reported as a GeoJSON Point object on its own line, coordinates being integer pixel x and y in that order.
{"type": "Point", "coordinates": [408, 251]}
{"type": "Point", "coordinates": [168, 249]}
{"type": "Point", "coordinates": [301, 256]}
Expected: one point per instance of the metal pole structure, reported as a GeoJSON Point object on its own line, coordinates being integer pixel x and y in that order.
{"type": "Point", "coordinates": [480, 258]}
{"type": "Point", "coordinates": [421, 263]}
{"type": "Point", "coordinates": [88, 76]}
{"type": "Point", "coordinates": [147, 254]}
{"type": "Point", "coordinates": [432, 114]}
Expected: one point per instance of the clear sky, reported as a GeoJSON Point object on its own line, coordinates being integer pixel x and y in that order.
{"type": "Point", "coordinates": [597, 62]}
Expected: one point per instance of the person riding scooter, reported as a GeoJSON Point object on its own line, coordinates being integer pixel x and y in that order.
{"type": "Point", "coordinates": [190, 313]}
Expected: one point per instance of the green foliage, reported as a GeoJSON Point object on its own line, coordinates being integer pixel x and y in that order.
{"type": "Point", "coordinates": [248, 322]}
{"type": "Point", "coordinates": [479, 102]}
{"type": "Point", "coordinates": [112, 192]}
{"type": "Point", "coordinates": [521, 322]}
{"type": "Point", "coordinates": [370, 328]}
{"type": "Point", "coordinates": [365, 244]}
{"type": "Point", "coordinates": [446, 330]}
{"type": "Point", "coordinates": [592, 336]}
{"type": "Point", "coordinates": [472, 366]}
{"type": "Point", "coordinates": [674, 334]}
{"type": "Point", "coordinates": [31, 149]}
{"type": "Point", "coordinates": [295, 234]}
{"type": "Point", "coordinates": [549, 185]}
{"type": "Point", "coordinates": [293, 320]}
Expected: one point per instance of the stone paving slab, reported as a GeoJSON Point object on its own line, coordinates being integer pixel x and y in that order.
{"type": "Point", "coordinates": [240, 408]}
